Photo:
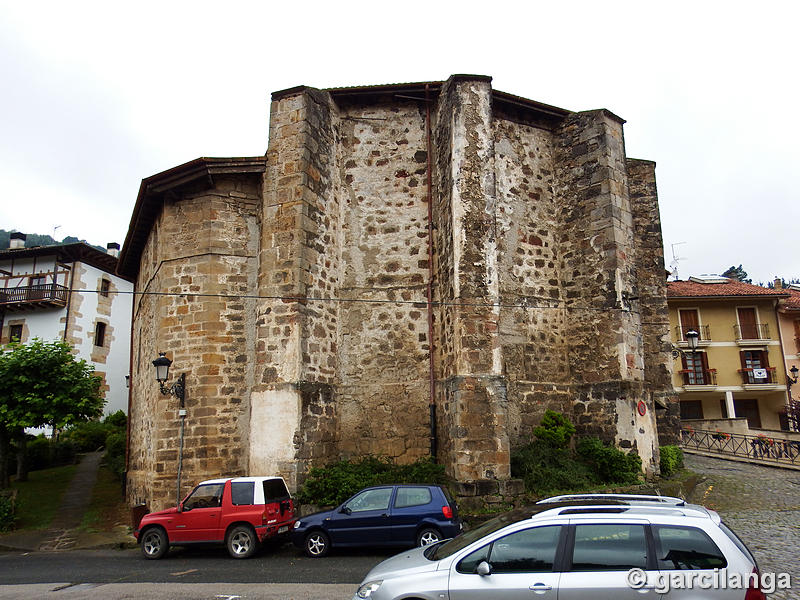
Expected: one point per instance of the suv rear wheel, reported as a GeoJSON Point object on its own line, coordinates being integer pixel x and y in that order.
{"type": "Point", "coordinates": [317, 544]}
{"type": "Point", "coordinates": [154, 543]}
{"type": "Point", "coordinates": [241, 542]}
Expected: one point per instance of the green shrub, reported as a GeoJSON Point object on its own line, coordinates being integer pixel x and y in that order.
{"type": "Point", "coordinates": [44, 453]}
{"type": "Point", "coordinates": [7, 511]}
{"type": "Point", "coordinates": [546, 469]}
{"type": "Point", "coordinates": [87, 437]}
{"type": "Point", "coordinates": [611, 464]}
{"type": "Point", "coordinates": [117, 420]}
{"type": "Point", "coordinates": [115, 453]}
{"type": "Point", "coordinates": [555, 429]}
{"type": "Point", "coordinates": [333, 484]}
{"type": "Point", "coordinates": [671, 460]}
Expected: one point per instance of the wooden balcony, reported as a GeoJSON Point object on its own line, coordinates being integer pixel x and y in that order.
{"type": "Point", "coordinates": [48, 295]}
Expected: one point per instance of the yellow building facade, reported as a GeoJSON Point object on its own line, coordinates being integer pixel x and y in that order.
{"type": "Point", "coordinates": [735, 379]}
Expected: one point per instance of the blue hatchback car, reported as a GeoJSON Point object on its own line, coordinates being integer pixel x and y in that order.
{"type": "Point", "coordinates": [385, 515]}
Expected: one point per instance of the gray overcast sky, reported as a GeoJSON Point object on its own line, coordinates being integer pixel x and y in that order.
{"type": "Point", "coordinates": [95, 96]}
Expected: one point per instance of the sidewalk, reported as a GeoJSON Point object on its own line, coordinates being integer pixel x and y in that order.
{"type": "Point", "coordinates": [63, 533]}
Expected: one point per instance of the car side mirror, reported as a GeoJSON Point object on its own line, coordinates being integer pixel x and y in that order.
{"type": "Point", "coordinates": [346, 510]}
{"type": "Point", "coordinates": [483, 569]}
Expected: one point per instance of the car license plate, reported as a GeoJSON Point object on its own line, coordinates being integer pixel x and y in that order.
{"type": "Point", "coordinates": [283, 529]}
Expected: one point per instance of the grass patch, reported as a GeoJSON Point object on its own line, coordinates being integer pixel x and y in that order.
{"type": "Point", "coordinates": [107, 506]}
{"type": "Point", "coordinates": [40, 497]}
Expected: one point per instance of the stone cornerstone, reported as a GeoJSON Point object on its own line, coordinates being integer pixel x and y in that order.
{"type": "Point", "coordinates": [411, 269]}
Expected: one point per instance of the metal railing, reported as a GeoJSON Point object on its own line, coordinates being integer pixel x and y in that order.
{"type": "Point", "coordinates": [749, 375]}
{"type": "Point", "coordinates": [703, 330]}
{"type": "Point", "coordinates": [704, 377]}
{"type": "Point", "coordinates": [759, 447]}
{"type": "Point", "coordinates": [46, 292]}
{"type": "Point", "coordinates": [754, 331]}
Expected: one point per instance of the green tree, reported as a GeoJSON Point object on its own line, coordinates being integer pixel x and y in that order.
{"type": "Point", "coordinates": [42, 383]}
{"type": "Point", "coordinates": [737, 273]}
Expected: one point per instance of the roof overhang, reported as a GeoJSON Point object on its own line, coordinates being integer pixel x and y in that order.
{"type": "Point", "coordinates": [429, 90]}
{"type": "Point", "coordinates": [150, 200]}
{"type": "Point", "coordinates": [66, 253]}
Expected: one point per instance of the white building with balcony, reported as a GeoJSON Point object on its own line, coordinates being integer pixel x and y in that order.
{"type": "Point", "coordinates": [72, 293]}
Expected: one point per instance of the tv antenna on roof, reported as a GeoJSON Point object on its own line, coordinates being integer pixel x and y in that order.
{"type": "Point", "coordinates": [673, 266]}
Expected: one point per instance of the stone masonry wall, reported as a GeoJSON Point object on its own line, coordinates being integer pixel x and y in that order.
{"type": "Point", "coordinates": [474, 408]}
{"type": "Point", "coordinates": [533, 324]}
{"type": "Point", "coordinates": [299, 264]}
{"type": "Point", "coordinates": [652, 303]}
{"type": "Point", "coordinates": [599, 280]}
{"type": "Point", "coordinates": [201, 253]}
{"type": "Point", "coordinates": [547, 286]}
{"type": "Point", "coordinates": [383, 335]}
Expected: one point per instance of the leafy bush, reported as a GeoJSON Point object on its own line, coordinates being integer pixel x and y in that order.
{"type": "Point", "coordinates": [115, 453]}
{"type": "Point", "coordinates": [43, 453]}
{"type": "Point", "coordinates": [611, 464]}
{"type": "Point", "coordinates": [87, 437]}
{"type": "Point", "coordinates": [546, 469]}
{"type": "Point", "coordinates": [117, 420]}
{"type": "Point", "coordinates": [546, 465]}
{"type": "Point", "coordinates": [7, 511]}
{"type": "Point", "coordinates": [671, 460]}
{"type": "Point", "coordinates": [555, 429]}
{"type": "Point", "coordinates": [333, 484]}
{"type": "Point", "coordinates": [91, 435]}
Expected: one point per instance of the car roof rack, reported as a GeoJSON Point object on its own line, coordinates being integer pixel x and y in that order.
{"type": "Point", "coordinates": [622, 498]}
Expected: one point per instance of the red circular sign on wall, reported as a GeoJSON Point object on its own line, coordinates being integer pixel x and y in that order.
{"type": "Point", "coordinates": [642, 408]}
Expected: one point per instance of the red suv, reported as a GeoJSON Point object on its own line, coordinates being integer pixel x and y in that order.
{"type": "Point", "coordinates": [240, 513]}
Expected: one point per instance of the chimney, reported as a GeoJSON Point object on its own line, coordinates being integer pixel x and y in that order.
{"type": "Point", "coordinates": [113, 249]}
{"type": "Point", "coordinates": [778, 283]}
{"type": "Point", "coordinates": [17, 240]}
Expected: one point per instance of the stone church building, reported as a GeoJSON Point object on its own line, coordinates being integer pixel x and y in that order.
{"type": "Point", "coordinates": [411, 269]}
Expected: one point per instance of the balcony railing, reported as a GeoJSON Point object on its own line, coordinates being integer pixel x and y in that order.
{"type": "Point", "coordinates": [759, 447]}
{"type": "Point", "coordinates": [703, 330]}
{"type": "Point", "coordinates": [754, 376]}
{"type": "Point", "coordinates": [754, 331]}
{"type": "Point", "coordinates": [47, 294]}
{"type": "Point", "coordinates": [704, 377]}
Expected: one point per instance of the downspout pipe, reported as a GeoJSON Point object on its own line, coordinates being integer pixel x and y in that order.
{"type": "Point", "coordinates": [431, 363]}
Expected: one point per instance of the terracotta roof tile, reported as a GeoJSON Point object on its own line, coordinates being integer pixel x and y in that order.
{"type": "Point", "coordinates": [793, 302]}
{"type": "Point", "coordinates": [693, 289]}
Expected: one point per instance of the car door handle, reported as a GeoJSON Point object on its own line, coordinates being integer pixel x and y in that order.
{"type": "Point", "coordinates": [540, 587]}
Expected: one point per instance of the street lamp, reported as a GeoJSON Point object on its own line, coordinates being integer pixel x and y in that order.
{"type": "Point", "coordinates": [692, 337]}
{"type": "Point", "coordinates": [162, 364]}
{"type": "Point", "coordinates": [177, 389]}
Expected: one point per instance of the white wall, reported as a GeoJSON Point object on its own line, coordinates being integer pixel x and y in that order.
{"type": "Point", "coordinates": [118, 334]}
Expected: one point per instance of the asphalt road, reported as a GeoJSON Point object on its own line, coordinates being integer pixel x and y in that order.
{"type": "Point", "coordinates": [195, 565]}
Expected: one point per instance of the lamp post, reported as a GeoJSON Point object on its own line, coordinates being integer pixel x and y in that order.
{"type": "Point", "coordinates": [692, 338]}
{"type": "Point", "coordinates": [177, 389]}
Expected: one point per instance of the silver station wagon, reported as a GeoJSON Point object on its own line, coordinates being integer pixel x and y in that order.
{"type": "Point", "coordinates": [586, 547]}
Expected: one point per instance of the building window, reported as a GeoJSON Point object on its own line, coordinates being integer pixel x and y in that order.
{"type": "Point", "coordinates": [105, 285]}
{"type": "Point", "coordinates": [689, 321]}
{"type": "Point", "coordinates": [691, 409]}
{"type": "Point", "coordinates": [755, 367]}
{"type": "Point", "coordinates": [15, 333]}
{"type": "Point", "coordinates": [695, 369]}
{"type": "Point", "coordinates": [99, 334]}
